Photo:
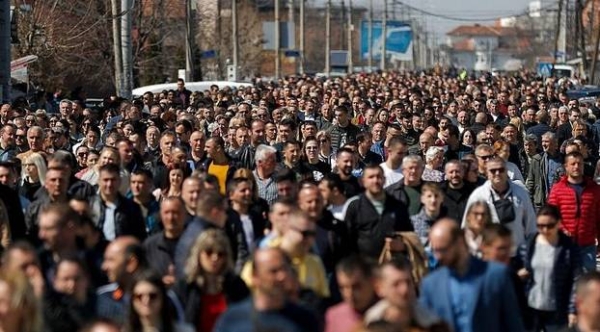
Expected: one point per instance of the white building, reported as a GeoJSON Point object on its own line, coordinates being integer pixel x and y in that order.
{"type": "Point", "coordinates": [483, 48]}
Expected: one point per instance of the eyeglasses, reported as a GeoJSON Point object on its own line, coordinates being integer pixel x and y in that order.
{"type": "Point", "coordinates": [486, 157]}
{"type": "Point", "coordinates": [151, 296]}
{"type": "Point", "coordinates": [497, 170]}
{"type": "Point", "coordinates": [546, 226]}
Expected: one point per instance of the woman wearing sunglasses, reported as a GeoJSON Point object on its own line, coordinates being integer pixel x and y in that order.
{"type": "Point", "coordinates": [210, 284]}
{"type": "Point", "coordinates": [551, 267]}
{"type": "Point", "coordinates": [150, 308]}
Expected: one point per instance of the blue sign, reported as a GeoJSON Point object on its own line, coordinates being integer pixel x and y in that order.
{"type": "Point", "coordinates": [398, 40]}
{"type": "Point", "coordinates": [292, 54]}
{"type": "Point", "coordinates": [209, 54]}
{"type": "Point", "coordinates": [544, 69]}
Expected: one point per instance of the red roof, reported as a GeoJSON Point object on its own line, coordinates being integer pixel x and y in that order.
{"type": "Point", "coordinates": [483, 30]}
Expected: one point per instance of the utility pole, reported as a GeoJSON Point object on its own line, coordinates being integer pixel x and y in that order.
{"type": "Point", "coordinates": [384, 33]}
{"type": "Point", "coordinates": [302, 18]}
{"type": "Point", "coordinates": [234, 35]}
{"type": "Point", "coordinates": [126, 47]}
{"type": "Point", "coordinates": [219, 43]}
{"type": "Point", "coordinates": [370, 37]}
{"type": "Point", "coordinates": [557, 33]}
{"type": "Point", "coordinates": [5, 51]}
{"type": "Point", "coordinates": [277, 40]}
{"type": "Point", "coordinates": [189, 45]}
{"type": "Point", "coordinates": [291, 24]}
{"type": "Point", "coordinates": [328, 38]}
{"type": "Point", "coordinates": [582, 35]}
{"type": "Point", "coordinates": [595, 58]}
{"type": "Point", "coordinates": [350, 60]}
{"type": "Point", "coordinates": [116, 27]}
{"type": "Point", "coordinates": [343, 26]}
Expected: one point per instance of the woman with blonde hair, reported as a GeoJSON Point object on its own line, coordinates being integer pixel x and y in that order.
{"type": "Point", "coordinates": [325, 154]}
{"type": "Point", "coordinates": [210, 284]}
{"type": "Point", "coordinates": [33, 175]}
{"type": "Point", "coordinates": [478, 216]}
{"type": "Point", "coordinates": [108, 155]}
{"type": "Point", "coordinates": [22, 312]}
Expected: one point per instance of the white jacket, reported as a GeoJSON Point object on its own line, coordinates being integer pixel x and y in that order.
{"type": "Point", "coordinates": [524, 224]}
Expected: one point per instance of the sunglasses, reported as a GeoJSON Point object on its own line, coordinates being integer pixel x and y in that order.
{"type": "Point", "coordinates": [306, 233]}
{"type": "Point", "coordinates": [20, 136]}
{"type": "Point", "coordinates": [211, 252]}
{"type": "Point", "coordinates": [82, 154]}
{"type": "Point", "coordinates": [140, 296]}
{"type": "Point", "coordinates": [486, 157]}
{"type": "Point", "coordinates": [546, 226]}
{"type": "Point", "coordinates": [497, 170]}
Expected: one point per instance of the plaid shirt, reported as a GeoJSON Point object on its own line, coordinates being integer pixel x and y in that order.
{"type": "Point", "coordinates": [422, 224]}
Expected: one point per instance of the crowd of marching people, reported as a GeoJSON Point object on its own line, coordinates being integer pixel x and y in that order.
{"type": "Point", "coordinates": [388, 201]}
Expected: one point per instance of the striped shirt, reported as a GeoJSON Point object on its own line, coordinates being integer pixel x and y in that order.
{"type": "Point", "coordinates": [267, 188]}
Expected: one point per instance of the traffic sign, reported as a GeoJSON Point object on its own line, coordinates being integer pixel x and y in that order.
{"type": "Point", "coordinates": [292, 54]}
{"type": "Point", "coordinates": [209, 54]}
{"type": "Point", "coordinates": [544, 69]}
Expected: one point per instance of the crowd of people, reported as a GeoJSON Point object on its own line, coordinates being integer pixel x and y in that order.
{"type": "Point", "coordinates": [394, 201]}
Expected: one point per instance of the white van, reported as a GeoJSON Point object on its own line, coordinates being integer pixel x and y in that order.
{"type": "Point", "coordinates": [192, 86]}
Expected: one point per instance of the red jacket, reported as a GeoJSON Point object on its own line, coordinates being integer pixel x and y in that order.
{"type": "Point", "coordinates": [580, 219]}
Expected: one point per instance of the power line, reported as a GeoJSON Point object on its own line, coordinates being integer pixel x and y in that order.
{"type": "Point", "coordinates": [468, 19]}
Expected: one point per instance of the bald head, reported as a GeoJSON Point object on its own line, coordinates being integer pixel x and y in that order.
{"type": "Point", "coordinates": [445, 228]}
{"type": "Point", "coordinates": [270, 271]}
{"type": "Point", "coordinates": [122, 258]}
{"type": "Point", "coordinates": [448, 244]}
{"type": "Point", "coordinates": [122, 242]}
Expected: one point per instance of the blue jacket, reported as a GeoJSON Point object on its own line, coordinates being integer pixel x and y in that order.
{"type": "Point", "coordinates": [567, 269]}
{"type": "Point", "coordinates": [496, 308]}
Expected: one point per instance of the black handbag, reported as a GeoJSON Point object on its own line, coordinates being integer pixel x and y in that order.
{"type": "Point", "coordinates": [505, 209]}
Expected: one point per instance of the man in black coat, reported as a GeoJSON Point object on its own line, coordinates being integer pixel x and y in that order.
{"type": "Point", "coordinates": [160, 247]}
{"type": "Point", "coordinates": [370, 224]}
{"type": "Point", "coordinates": [456, 190]}
{"type": "Point", "coordinates": [113, 213]}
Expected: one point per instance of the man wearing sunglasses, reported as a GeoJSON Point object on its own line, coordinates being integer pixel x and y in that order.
{"type": "Point", "coordinates": [297, 242]}
{"type": "Point", "coordinates": [509, 203]}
